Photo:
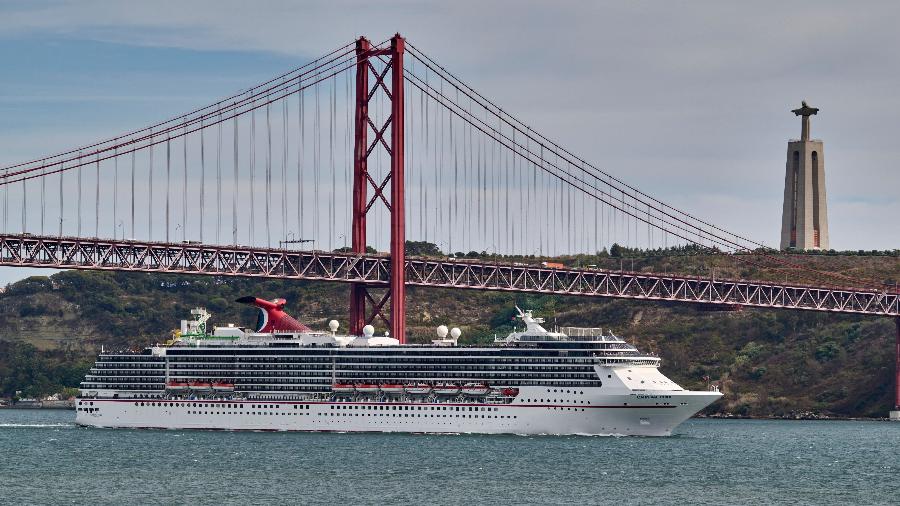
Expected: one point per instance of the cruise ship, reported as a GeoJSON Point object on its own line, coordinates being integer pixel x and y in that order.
{"type": "Point", "coordinates": [283, 376]}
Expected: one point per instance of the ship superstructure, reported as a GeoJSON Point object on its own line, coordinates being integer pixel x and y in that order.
{"type": "Point", "coordinates": [534, 381]}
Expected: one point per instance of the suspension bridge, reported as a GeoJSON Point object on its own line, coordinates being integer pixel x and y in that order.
{"type": "Point", "coordinates": [326, 171]}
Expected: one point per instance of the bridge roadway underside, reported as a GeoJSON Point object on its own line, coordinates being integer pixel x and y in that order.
{"type": "Point", "coordinates": [187, 258]}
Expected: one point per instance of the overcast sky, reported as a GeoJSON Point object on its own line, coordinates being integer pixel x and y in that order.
{"type": "Point", "coordinates": [690, 101]}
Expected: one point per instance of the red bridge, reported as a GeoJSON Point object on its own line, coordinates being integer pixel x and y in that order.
{"type": "Point", "coordinates": [354, 153]}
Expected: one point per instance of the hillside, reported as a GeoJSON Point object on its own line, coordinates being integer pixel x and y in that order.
{"type": "Point", "coordinates": [770, 363]}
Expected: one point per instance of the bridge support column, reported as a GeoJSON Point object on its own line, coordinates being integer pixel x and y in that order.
{"type": "Point", "coordinates": [398, 209]}
{"type": "Point", "coordinates": [360, 297]}
{"type": "Point", "coordinates": [360, 185]}
{"type": "Point", "coordinates": [895, 414]}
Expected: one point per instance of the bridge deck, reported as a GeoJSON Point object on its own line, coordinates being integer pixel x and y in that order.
{"type": "Point", "coordinates": [123, 255]}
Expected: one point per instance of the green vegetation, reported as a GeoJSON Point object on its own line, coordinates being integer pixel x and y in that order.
{"type": "Point", "coordinates": [23, 368]}
{"type": "Point", "coordinates": [768, 362]}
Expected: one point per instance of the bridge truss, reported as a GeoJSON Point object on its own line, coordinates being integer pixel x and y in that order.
{"type": "Point", "coordinates": [375, 270]}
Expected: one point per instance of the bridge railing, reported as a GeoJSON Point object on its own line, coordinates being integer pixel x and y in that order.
{"type": "Point", "coordinates": [26, 250]}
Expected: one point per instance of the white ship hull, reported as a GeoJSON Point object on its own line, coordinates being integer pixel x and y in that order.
{"type": "Point", "coordinates": [534, 411]}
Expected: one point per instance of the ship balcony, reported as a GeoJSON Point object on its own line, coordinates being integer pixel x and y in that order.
{"type": "Point", "coordinates": [621, 361]}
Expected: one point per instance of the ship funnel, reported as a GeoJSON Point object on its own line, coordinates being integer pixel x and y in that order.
{"type": "Point", "coordinates": [272, 317]}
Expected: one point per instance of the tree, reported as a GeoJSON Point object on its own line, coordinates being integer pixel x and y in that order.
{"type": "Point", "coordinates": [422, 249]}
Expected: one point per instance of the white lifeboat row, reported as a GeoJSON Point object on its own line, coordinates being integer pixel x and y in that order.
{"type": "Point", "coordinates": [468, 389]}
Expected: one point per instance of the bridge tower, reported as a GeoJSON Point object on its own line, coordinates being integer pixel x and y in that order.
{"type": "Point", "coordinates": [392, 88]}
{"type": "Point", "coordinates": [804, 218]}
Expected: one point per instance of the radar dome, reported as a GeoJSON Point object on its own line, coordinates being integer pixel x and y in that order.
{"type": "Point", "coordinates": [442, 331]}
{"type": "Point", "coordinates": [455, 333]}
{"type": "Point", "coordinates": [333, 325]}
{"type": "Point", "coordinates": [368, 331]}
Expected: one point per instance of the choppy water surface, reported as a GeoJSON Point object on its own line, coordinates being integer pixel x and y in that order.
{"type": "Point", "coordinates": [45, 459]}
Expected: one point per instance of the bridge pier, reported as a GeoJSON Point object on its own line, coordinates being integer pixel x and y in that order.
{"type": "Point", "coordinates": [895, 414]}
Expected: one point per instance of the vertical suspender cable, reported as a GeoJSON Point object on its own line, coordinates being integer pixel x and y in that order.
{"type": "Point", "coordinates": [562, 198]}
{"type": "Point", "coordinates": [202, 177]}
{"type": "Point", "coordinates": [610, 223]}
{"type": "Point", "coordinates": [300, 210]}
{"type": "Point", "coordinates": [454, 225]}
{"type": "Point", "coordinates": [78, 227]}
{"type": "Point", "coordinates": [428, 157]}
{"type": "Point", "coordinates": [97, 198]}
{"type": "Point", "coordinates": [24, 205]}
{"type": "Point", "coordinates": [507, 233]}
{"type": "Point", "coordinates": [235, 183]}
{"type": "Point", "coordinates": [43, 201]}
{"type": "Point", "coordinates": [422, 127]}
{"type": "Point", "coordinates": [150, 199]}
{"type": "Point", "coordinates": [483, 152]}
{"type": "Point", "coordinates": [133, 164]}
{"type": "Point", "coordinates": [184, 187]}
{"type": "Point", "coordinates": [332, 97]}
{"type": "Point", "coordinates": [471, 190]}
{"type": "Point", "coordinates": [348, 152]}
{"type": "Point", "coordinates": [168, 181]}
{"type": "Point", "coordinates": [316, 152]}
{"type": "Point", "coordinates": [626, 226]}
{"type": "Point", "coordinates": [219, 179]}
{"type": "Point", "coordinates": [411, 162]}
{"type": "Point", "coordinates": [61, 200]}
{"type": "Point", "coordinates": [510, 182]}
{"type": "Point", "coordinates": [597, 225]}
{"type": "Point", "coordinates": [478, 195]}
{"type": "Point", "coordinates": [520, 196]}
{"type": "Point", "coordinates": [252, 229]}
{"type": "Point", "coordinates": [548, 192]}
{"type": "Point", "coordinates": [115, 190]}
{"type": "Point", "coordinates": [499, 179]}
{"type": "Point", "coordinates": [440, 190]}
{"type": "Point", "coordinates": [489, 185]}
{"type": "Point", "coordinates": [268, 174]}
{"type": "Point", "coordinates": [570, 209]}
{"type": "Point", "coordinates": [284, 161]}
{"type": "Point", "coordinates": [467, 206]}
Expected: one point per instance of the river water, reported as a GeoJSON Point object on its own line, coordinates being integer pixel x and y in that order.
{"type": "Point", "coordinates": [46, 459]}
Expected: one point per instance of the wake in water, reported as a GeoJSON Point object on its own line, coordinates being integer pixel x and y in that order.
{"type": "Point", "coordinates": [36, 425]}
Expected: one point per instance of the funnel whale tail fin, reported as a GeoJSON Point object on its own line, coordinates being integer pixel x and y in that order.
{"type": "Point", "coordinates": [272, 317]}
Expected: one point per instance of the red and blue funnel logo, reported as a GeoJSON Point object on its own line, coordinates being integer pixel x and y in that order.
{"type": "Point", "coordinates": [272, 317]}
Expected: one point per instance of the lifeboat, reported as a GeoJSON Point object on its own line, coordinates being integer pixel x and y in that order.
{"type": "Point", "coordinates": [202, 386]}
{"type": "Point", "coordinates": [221, 386]}
{"type": "Point", "coordinates": [343, 388]}
{"type": "Point", "coordinates": [510, 392]}
{"type": "Point", "coordinates": [366, 388]}
{"type": "Point", "coordinates": [446, 389]}
{"type": "Point", "coordinates": [392, 388]}
{"type": "Point", "coordinates": [418, 389]}
{"type": "Point", "coordinates": [476, 389]}
{"type": "Point", "coordinates": [178, 386]}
